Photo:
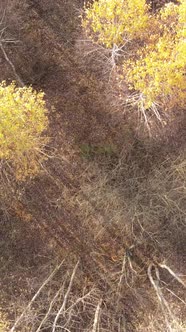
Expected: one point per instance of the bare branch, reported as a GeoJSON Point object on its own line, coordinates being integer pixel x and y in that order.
{"type": "Point", "coordinates": [97, 317]}
{"type": "Point", "coordinates": [164, 305]}
{"type": "Point", "coordinates": [62, 308]}
{"type": "Point", "coordinates": [11, 65]}
{"type": "Point", "coordinates": [35, 296]}
{"type": "Point", "coordinates": [163, 266]}
{"type": "Point", "coordinates": [50, 308]}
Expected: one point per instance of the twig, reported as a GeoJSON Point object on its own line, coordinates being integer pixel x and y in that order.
{"type": "Point", "coordinates": [50, 308]}
{"type": "Point", "coordinates": [11, 65]}
{"type": "Point", "coordinates": [35, 296]}
{"type": "Point", "coordinates": [62, 308]}
{"type": "Point", "coordinates": [159, 294]}
{"type": "Point", "coordinates": [80, 299]}
{"type": "Point", "coordinates": [3, 16]}
{"type": "Point", "coordinates": [97, 317]}
{"type": "Point", "coordinates": [69, 310]}
{"type": "Point", "coordinates": [163, 266]}
{"type": "Point", "coordinates": [176, 296]}
{"type": "Point", "coordinates": [122, 274]}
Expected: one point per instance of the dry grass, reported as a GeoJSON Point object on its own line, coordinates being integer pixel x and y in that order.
{"type": "Point", "coordinates": [64, 300]}
{"type": "Point", "coordinates": [142, 202]}
{"type": "Point", "coordinates": [133, 212]}
{"type": "Point", "coordinates": [120, 215]}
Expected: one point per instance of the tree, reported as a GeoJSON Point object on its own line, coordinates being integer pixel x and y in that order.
{"type": "Point", "coordinates": [23, 119]}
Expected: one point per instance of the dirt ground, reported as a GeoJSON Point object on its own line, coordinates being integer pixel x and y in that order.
{"type": "Point", "coordinates": [59, 214]}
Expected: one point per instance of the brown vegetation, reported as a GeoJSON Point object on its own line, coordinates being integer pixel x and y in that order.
{"type": "Point", "coordinates": [110, 202]}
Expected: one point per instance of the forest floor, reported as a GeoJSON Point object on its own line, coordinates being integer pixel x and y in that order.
{"type": "Point", "coordinates": [108, 196]}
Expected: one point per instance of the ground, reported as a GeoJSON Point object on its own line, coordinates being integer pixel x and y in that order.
{"type": "Point", "coordinates": [108, 195]}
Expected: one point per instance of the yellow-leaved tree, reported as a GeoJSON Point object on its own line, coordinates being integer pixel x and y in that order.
{"type": "Point", "coordinates": [23, 119]}
{"type": "Point", "coordinates": [115, 22]}
{"type": "Point", "coordinates": [154, 57]}
{"type": "Point", "coordinates": [158, 69]}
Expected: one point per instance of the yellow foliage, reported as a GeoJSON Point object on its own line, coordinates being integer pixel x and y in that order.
{"type": "Point", "coordinates": [158, 70]}
{"type": "Point", "coordinates": [112, 22]}
{"type": "Point", "coordinates": [22, 121]}
{"type": "Point", "coordinates": [4, 326]}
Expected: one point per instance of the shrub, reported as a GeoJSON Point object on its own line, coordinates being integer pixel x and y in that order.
{"type": "Point", "coordinates": [158, 71]}
{"type": "Point", "coordinates": [154, 61]}
{"type": "Point", "coordinates": [113, 22]}
{"type": "Point", "coordinates": [22, 121]}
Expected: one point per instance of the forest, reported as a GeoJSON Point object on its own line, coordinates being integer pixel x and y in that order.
{"type": "Point", "coordinates": [92, 166]}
